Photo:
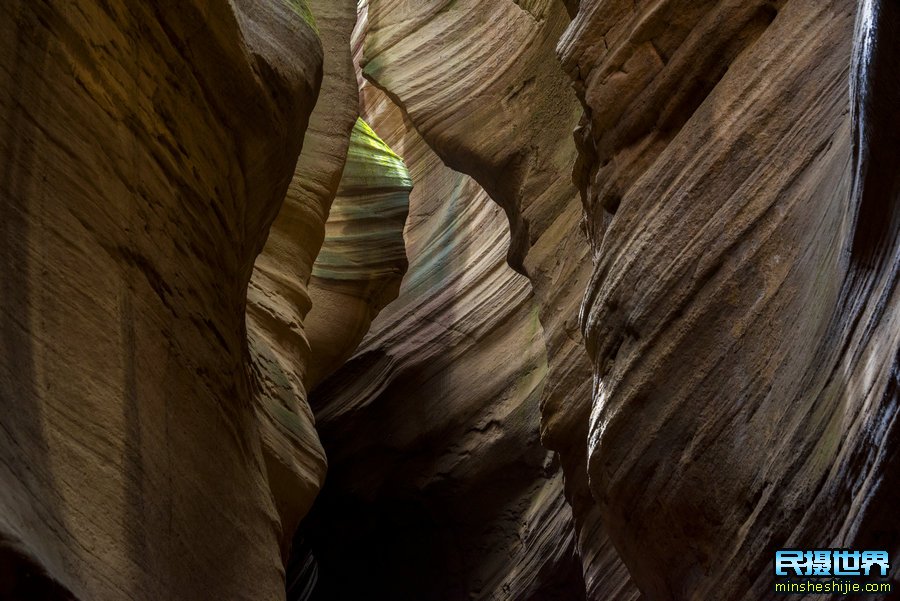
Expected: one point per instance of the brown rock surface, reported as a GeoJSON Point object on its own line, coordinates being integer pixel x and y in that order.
{"type": "Point", "coordinates": [743, 316]}
{"type": "Point", "coordinates": [438, 487]}
{"type": "Point", "coordinates": [715, 171]}
{"type": "Point", "coordinates": [146, 149]}
{"type": "Point", "coordinates": [363, 259]}
{"type": "Point", "coordinates": [279, 297]}
{"type": "Point", "coordinates": [635, 385]}
{"type": "Point", "coordinates": [481, 83]}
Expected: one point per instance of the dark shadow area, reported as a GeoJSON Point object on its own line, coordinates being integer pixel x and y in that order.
{"type": "Point", "coordinates": [23, 579]}
{"type": "Point", "coordinates": [876, 94]}
{"type": "Point", "coordinates": [376, 532]}
{"type": "Point", "coordinates": [399, 549]}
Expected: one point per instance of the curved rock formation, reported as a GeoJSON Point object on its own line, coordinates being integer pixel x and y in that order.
{"type": "Point", "coordinates": [356, 274]}
{"type": "Point", "coordinates": [359, 268]}
{"type": "Point", "coordinates": [726, 305]}
{"type": "Point", "coordinates": [503, 111]}
{"type": "Point", "coordinates": [481, 84]}
{"type": "Point", "coordinates": [438, 485]}
{"type": "Point", "coordinates": [635, 385]}
{"type": "Point", "coordinates": [743, 315]}
{"type": "Point", "coordinates": [278, 299]}
{"type": "Point", "coordinates": [146, 149]}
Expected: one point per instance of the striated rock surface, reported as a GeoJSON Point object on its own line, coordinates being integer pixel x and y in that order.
{"type": "Point", "coordinates": [481, 83]}
{"type": "Point", "coordinates": [359, 268]}
{"type": "Point", "coordinates": [743, 315]}
{"type": "Point", "coordinates": [634, 385]}
{"type": "Point", "coordinates": [357, 272]}
{"type": "Point", "coordinates": [146, 149]}
{"type": "Point", "coordinates": [278, 296]}
{"type": "Point", "coordinates": [438, 487]}
{"type": "Point", "coordinates": [741, 318]}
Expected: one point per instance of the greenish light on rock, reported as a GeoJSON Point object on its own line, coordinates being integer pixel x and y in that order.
{"type": "Point", "coordinates": [364, 231]}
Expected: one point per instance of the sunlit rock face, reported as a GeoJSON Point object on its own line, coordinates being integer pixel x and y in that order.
{"type": "Point", "coordinates": [480, 81]}
{"type": "Point", "coordinates": [743, 315]}
{"type": "Point", "coordinates": [146, 150]}
{"type": "Point", "coordinates": [360, 266]}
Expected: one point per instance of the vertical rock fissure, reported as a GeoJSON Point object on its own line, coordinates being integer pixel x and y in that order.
{"type": "Point", "coordinates": [438, 486]}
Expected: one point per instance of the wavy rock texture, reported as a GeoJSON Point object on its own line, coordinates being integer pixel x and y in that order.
{"type": "Point", "coordinates": [357, 273]}
{"type": "Point", "coordinates": [359, 269]}
{"type": "Point", "coordinates": [743, 315]}
{"type": "Point", "coordinates": [730, 385]}
{"type": "Point", "coordinates": [278, 296]}
{"type": "Point", "coordinates": [502, 111]}
{"type": "Point", "coordinates": [146, 149]}
{"type": "Point", "coordinates": [726, 306]}
{"type": "Point", "coordinates": [438, 487]}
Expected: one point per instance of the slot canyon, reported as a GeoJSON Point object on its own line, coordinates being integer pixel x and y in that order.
{"type": "Point", "coordinates": [447, 300]}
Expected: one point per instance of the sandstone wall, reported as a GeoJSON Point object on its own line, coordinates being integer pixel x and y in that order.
{"type": "Point", "coordinates": [146, 149]}
{"type": "Point", "coordinates": [742, 316]}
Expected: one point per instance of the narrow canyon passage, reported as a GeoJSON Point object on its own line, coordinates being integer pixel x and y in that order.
{"type": "Point", "coordinates": [407, 511]}
{"type": "Point", "coordinates": [449, 300]}
{"type": "Point", "coordinates": [445, 489]}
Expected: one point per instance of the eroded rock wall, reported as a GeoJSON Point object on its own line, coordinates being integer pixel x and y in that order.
{"type": "Point", "coordinates": [357, 272]}
{"type": "Point", "coordinates": [278, 297]}
{"type": "Point", "coordinates": [482, 84]}
{"type": "Point", "coordinates": [729, 387]}
{"type": "Point", "coordinates": [359, 269]}
{"type": "Point", "coordinates": [439, 487]}
{"type": "Point", "coordinates": [146, 149]}
{"type": "Point", "coordinates": [743, 315]}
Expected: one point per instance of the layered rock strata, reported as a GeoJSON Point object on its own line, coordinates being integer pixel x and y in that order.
{"type": "Point", "coordinates": [278, 298]}
{"type": "Point", "coordinates": [146, 149]}
{"type": "Point", "coordinates": [732, 238]}
{"type": "Point", "coordinates": [743, 315]}
{"type": "Point", "coordinates": [360, 266]}
{"type": "Point", "coordinates": [439, 487]}
{"type": "Point", "coordinates": [502, 110]}
{"type": "Point", "coordinates": [357, 273]}
{"type": "Point", "coordinates": [725, 293]}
